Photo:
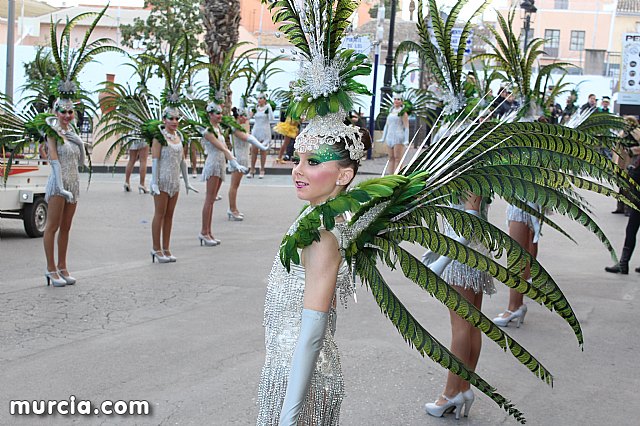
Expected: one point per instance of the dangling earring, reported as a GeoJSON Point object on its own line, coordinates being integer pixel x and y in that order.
{"type": "Point", "coordinates": [338, 183]}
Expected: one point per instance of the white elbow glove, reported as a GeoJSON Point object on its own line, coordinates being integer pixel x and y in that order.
{"type": "Point", "coordinates": [384, 134]}
{"type": "Point", "coordinates": [155, 168]}
{"type": "Point", "coordinates": [406, 136]}
{"type": "Point", "coordinates": [234, 166]}
{"type": "Point", "coordinates": [185, 177]}
{"type": "Point", "coordinates": [255, 142]}
{"type": "Point", "coordinates": [303, 364]}
{"type": "Point", "coordinates": [438, 266]}
{"type": "Point", "coordinates": [57, 176]}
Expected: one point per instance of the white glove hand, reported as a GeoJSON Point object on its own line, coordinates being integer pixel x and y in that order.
{"type": "Point", "coordinates": [255, 142]}
{"type": "Point", "coordinates": [185, 177]}
{"type": "Point", "coordinates": [303, 363]}
{"type": "Point", "coordinates": [155, 167]}
{"type": "Point", "coordinates": [439, 265]}
{"type": "Point", "coordinates": [234, 166]}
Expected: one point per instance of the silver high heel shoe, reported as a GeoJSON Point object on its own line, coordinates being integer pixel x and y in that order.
{"type": "Point", "coordinates": [169, 256]}
{"type": "Point", "coordinates": [57, 282]}
{"type": "Point", "coordinates": [234, 217]}
{"type": "Point", "coordinates": [517, 316]}
{"type": "Point", "coordinates": [159, 255]}
{"type": "Point", "coordinates": [453, 404]}
{"type": "Point", "coordinates": [469, 397]}
{"type": "Point", "coordinates": [206, 241]}
{"type": "Point", "coordinates": [69, 280]}
{"type": "Point", "coordinates": [143, 189]}
{"type": "Point", "coordinates": [126, 187]}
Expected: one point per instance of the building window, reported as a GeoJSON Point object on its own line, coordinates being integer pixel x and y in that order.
{"type": "Point", "coordinates": [551, 42]}
{"type": "Point", "coordinates": [577, 40]}
{"type": "Point", "coordinates": [562, 4]}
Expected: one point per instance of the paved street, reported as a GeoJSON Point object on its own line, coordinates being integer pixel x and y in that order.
{"type": "Point", "coordinates": [188, 337]}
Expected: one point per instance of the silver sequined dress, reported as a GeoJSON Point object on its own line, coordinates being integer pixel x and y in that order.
{"type": "Point", "coordinates": [395, 128]}
{"type": "Point", "coordinates": [262, 124]}
{"type": "Point", "coordinates": [282, 319]}
{"type": "Point", "coordinates": [241, 151]}
{"type": "Point", "coordinates": [69, 156]}
{"type": "Point", "coordinates": [169, 176]}
{"type": "Point", "coordinates": [465, 276]}
{"type": "Point", "coordinates": [215, 163]}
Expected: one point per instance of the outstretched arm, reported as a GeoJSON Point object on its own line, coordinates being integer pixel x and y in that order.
{"type": "Point", "coordinates": [250, 139]}
{"type": "Point", "coordinates": [219, 145]}
{"type": "Point", "coordinates": [322, 261]}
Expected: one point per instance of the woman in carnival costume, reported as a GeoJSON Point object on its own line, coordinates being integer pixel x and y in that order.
{"type": "Point", "coordinates": [396, 129]}
{"type": "Point", "coordinates": [241, 140]}
{"type": "Point", "coordinates": [167, 164]}
{"type": "Point", "coordinates": [262, 115]}
{"type": "Point", "coordinates": [65, 150]}
{"type": "Point", "coordinates": [301, 381]}
{"type": "Point", "coordinates": [287, 127]}
{"type": "Point", "coordinates": [213, 172]}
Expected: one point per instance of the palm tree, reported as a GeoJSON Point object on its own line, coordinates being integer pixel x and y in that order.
{"type": "Point", "coordinates": [221, 21]}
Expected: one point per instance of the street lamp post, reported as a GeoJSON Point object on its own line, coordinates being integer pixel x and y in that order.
{"type": "Point", "coordinates": [529, 9]}
{"type": "Point", "coordinates": [376, 59]}
{"type": "Point", "coordinates": [388, 70]}
{"type": "Point", "coordinates": [11, 19]}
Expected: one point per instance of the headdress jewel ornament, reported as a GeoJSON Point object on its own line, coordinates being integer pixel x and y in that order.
{"type": "Point", "coordinates": [325, 83]}
{"type": "Point", "coordinates": [214, 107]}
{"type": "Point", "coordinates": [398, 91]}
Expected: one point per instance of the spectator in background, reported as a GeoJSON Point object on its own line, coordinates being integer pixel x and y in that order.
{"type": "Point", "coordinates": [570, 106]}
{"type": "Point", "coordinates": [604, 104]}
{"type": "Point", "coordinates": [591, 103]}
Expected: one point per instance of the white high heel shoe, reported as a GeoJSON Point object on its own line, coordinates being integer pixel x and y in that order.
{"type": "Point", "coordinates": [57, 282]}
{"type": "Point", "coordinates": [517, 316]}
{"type": "Point", "coordinates": [69, 280]}
{"type": "Point", "coordinates": [206, 241]}
{"type": "Point", "coordinates": [159, 255]}
{"type": "Point", "coordinates": [469, 397]}
{"type": "Point", "coordinates": [168, 255]}
{"type": "Point", "coordinates": [235, 217]}
{"type": "Point", "coordinates": [453, 404]}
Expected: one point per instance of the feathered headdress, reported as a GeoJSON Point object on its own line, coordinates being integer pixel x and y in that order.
{"type": "Point", "coordinates": [69, 62]}
{"type": "Point", "coordinates": [325, 84]}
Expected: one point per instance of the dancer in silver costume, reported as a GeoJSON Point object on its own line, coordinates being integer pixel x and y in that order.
{"type": "Point", "coordinates": [301, 380]}
{"type": "Point", "coordinates": [396, 132]}
{"type": "Point", "coordinates": [65, 153]}
{"type": "Point", "coordinates": [263, 115]}
{"type": "Point", "coordinates": [167, 164]}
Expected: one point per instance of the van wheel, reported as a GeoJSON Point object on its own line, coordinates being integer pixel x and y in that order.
{"type": "Point", "coordinates": [35, 217]}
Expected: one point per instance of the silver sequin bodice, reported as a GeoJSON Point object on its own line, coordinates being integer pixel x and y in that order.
{"type": "Point", "coordinates": [282, 319]}
{"type": "Point", "coordinates": [169, 175]}
{"type": "Point", "coordinates": [69, 158]}
{"type": "Point", "coordinates": [262, 124]}
{"type": "Point", "coordinates": [395, 128]}
{"type": "Point", "coordinates": [215, 163]}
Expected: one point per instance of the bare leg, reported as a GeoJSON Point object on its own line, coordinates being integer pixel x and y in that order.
{"type": "Point", "coordinates": [236, 178]}
{"type": "Point", "coordinates": [63, 234]}
{"type": "Point", "coordinates": [133, 156]}
{"type": "Point", "coordinates": [143, 154]}
{"type": "Point", "coordinates": [213, 185]}
{"type": "Point", "coordinates": [523, 235]}
{"type": "Point", "coordinates": [283, 147]}
{"type": "Point", "coordinates": [466, 342]}
{"type": "Point", "coordinates": [54, 219]}
{"type": "Point", "coordinates": [194, 158]}
{"type": "Point", "coordinates": [167, 224]}
{"type": "Point", "coordinates": [392, 160]}
{"type": "Point", "coordinates": [263, 161]}
{"type": "Point", "coordinates": [160, 208]}
{"type": "Point", "coordinates": [398, 151]}
{"type": "Point", "coordinates": [254, 157]}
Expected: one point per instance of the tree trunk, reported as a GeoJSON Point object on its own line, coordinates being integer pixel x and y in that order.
{"type": "Point", "coordinates": [221, 21]}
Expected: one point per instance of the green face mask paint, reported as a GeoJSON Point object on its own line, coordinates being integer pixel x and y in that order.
{"type": "Point", "coordinates": [324, 154]}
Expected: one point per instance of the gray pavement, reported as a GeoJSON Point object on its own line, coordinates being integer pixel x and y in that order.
{"type": "Point", "coordinates": [188, 338]}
